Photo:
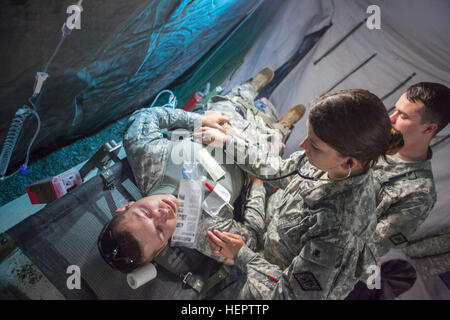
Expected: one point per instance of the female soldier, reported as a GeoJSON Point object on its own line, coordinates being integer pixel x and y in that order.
{"type": "Point", "coordinates": [318, 241]}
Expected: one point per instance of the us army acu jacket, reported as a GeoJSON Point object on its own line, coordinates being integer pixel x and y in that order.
{"type": "Point", "coordinates": [318, 241]}
{"type": "Point", "coordinates": [406, 194]}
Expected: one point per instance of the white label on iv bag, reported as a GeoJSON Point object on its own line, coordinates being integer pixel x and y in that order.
{"type": "Point", "coordinates": [189, 211]}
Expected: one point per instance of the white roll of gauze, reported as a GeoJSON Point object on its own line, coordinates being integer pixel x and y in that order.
{"type": "Point", "coordinates": [141, 276]}
{"type": "Point", "coordinates": [210, 164]}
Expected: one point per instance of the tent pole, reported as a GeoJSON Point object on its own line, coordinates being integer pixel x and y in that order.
{"type": "Point", "coordinates": [340, 41]}
{"type": "Point", "coordinates": [353, 71]}
{"type": "Point", "coordinates": [399, 86]}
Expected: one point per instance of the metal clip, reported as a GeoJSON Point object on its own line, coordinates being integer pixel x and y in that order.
{"type": "Point", "coordinates": [186, 278]}
{"type": "Point", "coordinates": [102, 158]}
{"type": "Point", "coordinates": [108, 179]}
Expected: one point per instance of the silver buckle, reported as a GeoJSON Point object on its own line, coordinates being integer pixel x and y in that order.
{"type": "Point", "coordinates": [187, 277]}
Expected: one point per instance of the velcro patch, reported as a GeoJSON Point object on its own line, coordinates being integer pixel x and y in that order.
{"type": "Point", "coordinates": [398, 238]}
{"type": "Point", "coordinates": [307, 281]}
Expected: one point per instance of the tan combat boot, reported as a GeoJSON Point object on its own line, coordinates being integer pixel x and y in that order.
{"type": "Point", "coordinates": [294, 114]}
{"type": "Point", "coordinates": [262, 79]}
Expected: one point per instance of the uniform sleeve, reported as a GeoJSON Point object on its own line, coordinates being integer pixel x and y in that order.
{"type": "Point", "coordinates": [396, 226]}
{"type": "Point", "coordinates": [145, 124]}
{"type": "Point", "coordinates": [145, 146]}
{"type": "Point", "coordinates": [319, 272]}
{"type": "Point", "coordinates": [252, 227]}
{"type": "Point", "coordinates": [263, 163]}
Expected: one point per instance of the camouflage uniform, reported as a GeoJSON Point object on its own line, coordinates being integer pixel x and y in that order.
{"type": "Point", "coordinates": [144, 138]}
{"type": "Point", "coordinates": [257, 126]}
{"type": "Point", "coordinates": [318, 241]}
{"type": "Point", "coordinates": [145, 145]}
{"type": "Point", "coordinates": [147, 154]}
{"type": "Point", "coordinates": [405, 196]}
{"type": "Point", "coordinates": [431, 254]}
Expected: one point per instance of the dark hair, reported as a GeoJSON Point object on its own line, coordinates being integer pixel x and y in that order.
{"type": "Point", "coordinates": [120, 248]}
{"type": "Point", "coordinates": [436, 100]}
{"type": "Point", "coordinates": [127, 243]}
{"type": "Point", "coordinates": [355, 123]}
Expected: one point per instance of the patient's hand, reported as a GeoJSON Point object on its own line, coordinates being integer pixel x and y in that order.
{"type": "Point", "coordinates": [214, 119]}
{"type": "Point", "coordinates": [210, 136]}
{"type": "Point", "coordinates": [224, 244]}
{"type": "Point", "coordinates": [215, 137]}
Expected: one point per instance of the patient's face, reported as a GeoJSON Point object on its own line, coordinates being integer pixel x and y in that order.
{"type": "Point", "coordinates": [152, 220]}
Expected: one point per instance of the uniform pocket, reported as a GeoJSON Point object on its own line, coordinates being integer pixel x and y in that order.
{"type": "Point", "coordinates": [321, 253]}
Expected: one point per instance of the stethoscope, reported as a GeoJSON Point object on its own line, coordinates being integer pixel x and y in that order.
{"type": "Point", "coordinates": [296, 171]}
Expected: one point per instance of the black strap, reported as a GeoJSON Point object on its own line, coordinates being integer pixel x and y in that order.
{"type": "Point", "coordinates": [174, 260]}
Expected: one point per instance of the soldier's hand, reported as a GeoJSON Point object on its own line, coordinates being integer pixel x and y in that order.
{"type": "Point", "coordinates": [210, 136]}
{"type": "Point", "coordinates": [224, 244]}
{"type": "Point", "coordinates": [214, 119]}
{"type": "Point", "coordinates": [256, 180]}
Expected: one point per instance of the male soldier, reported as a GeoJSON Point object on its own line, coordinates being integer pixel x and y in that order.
{"type": "Point", "coordinates": [142, 229]}
{"type": "Point", "coordinates": [405, 186]}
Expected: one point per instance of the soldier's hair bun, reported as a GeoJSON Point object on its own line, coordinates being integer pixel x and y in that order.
{"type": "Point", "coordinates": [355, 123]}
{"type": "Point", "coordinates": [396, 142]}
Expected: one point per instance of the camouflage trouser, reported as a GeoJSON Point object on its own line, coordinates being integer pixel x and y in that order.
{"type": "Point", "coordinates": [239, 286]}
{"type": "Point", "coordinates": [257, 126]}
{"type": "Point", "coordinates": [248, 93]}
{"type": "Point", "coordinates": [431, 255]}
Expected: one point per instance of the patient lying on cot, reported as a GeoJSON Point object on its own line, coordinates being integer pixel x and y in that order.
{"type": "Point", "coordinates": [141, 230]}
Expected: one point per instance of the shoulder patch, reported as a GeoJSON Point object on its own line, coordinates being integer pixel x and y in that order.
{"type": "Point", "coordinates": [307, 281]}
{"type": "Point", "coordinates": [398, 239]}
